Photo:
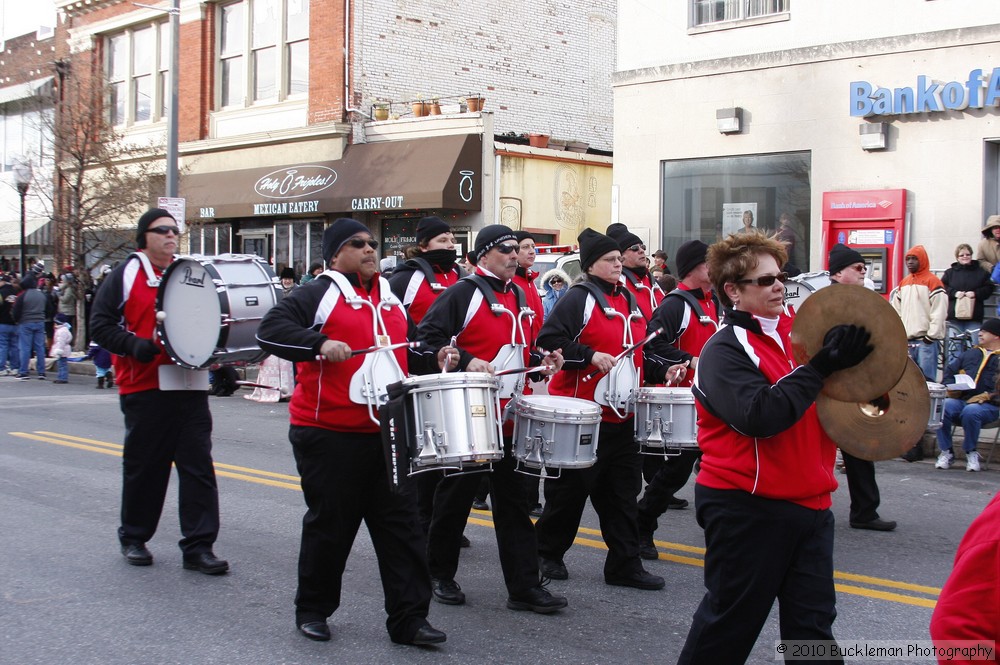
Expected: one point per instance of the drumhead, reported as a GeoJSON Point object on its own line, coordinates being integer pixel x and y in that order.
{"type": "Point", "coordinates": [557, 407]}
{"type": "Point", "coordinates": [451, 380]}
{"type": "Point", "coordinates": [188, 297]}
{"type": "Point", "coordinates": [651, 395]}
{"type": "Point", "coordinates": [798, 288]}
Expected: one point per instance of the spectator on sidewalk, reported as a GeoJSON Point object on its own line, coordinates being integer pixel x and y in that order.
{"type": "Point", "coordinates": [102, 365]}
{"type": "Point", "coordinates": [31, 309]}
{"type": "Point", "coordinates": [988, 252]}
{"type": "Point", "coordinates": [9, 355]}
{"type": "Point", "coordinates": [62, 339]}
{"type": "Point", "coordinates": [968, 287]}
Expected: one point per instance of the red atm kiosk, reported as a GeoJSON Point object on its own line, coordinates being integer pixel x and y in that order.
{"type": "Point", "coordinates": [874, 223]}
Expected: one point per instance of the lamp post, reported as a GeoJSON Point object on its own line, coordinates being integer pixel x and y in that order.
{"type": "Point", "coordinates": [22, 178]}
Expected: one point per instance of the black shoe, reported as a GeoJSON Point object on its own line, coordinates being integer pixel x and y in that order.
{"type": "Point", "coordinates": [536, 511]}
{"type": "Point", "coordinates": [480, 505]}
{"type": "Point", "coordinates": [427, 635]}
{"type": "Point", "coordinates": [60, 381]}
{"type": "Point", "coordinates": [876, 524]}
{"type": "Point", "coordinates": [637, 580]}
{"type": "Point", "coordinates": [465, 541]}
{"type": "Point", "coordinates": [536, 599]}
{"type": "Point", "coordinates": [447, 592]}
{"type": "Point", "coordinates": [647, 549]}
{"type": "Point", "coordinates": [205, 563]}
{"type": "Point", "coordinates": [554, 570]}
{"type": "Point", "coordinates": [677, 504]}
{"type": "Point", "coordinates": [137, 554]}
{"type": "Point", "coordinates": [914, 454]}
{"type": "Point", "coordinates": [315, 630]}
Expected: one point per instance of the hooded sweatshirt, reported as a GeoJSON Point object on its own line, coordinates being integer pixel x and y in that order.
{"type": "Point", "coordinates": [921, 300]}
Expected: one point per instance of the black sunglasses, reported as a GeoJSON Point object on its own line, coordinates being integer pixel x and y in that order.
{"type": "Point", "coordinates": [766, 280]}
{"type": "Point", "coordinates": [358, 243]}
{"type": "Point", "coordinates": [164, 230]}
{"type": "Point", "coordinates": [506, 249]}
{"type": "Point", "coordinates": [636, 248]}
{"type": "Point", "coordinates": [556, 280]}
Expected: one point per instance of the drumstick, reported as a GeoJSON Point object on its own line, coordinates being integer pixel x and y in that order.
{"type": "Point", "coordinates": [669, 380]}
{"type": "Point", "coordinates": [525, 370]}
{"type": "Point", "coordinates": [627, 351]}
{"type": "Point", "coordinates": [401, 345]}
{"type": "Point", "coordinates": [251, 384]}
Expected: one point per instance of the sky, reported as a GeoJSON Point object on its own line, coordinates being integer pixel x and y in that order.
{"type": "Point", "coordinates": [22, 16]}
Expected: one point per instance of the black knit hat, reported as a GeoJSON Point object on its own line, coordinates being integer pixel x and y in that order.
{"type": "Point", "coordinates": [148, 218]}
{"type": "Point", "coordinates": [991, 326]}
{"type": "Point", "coordinates": [625, 238]}
{"type": "Point", "coordinates": [288, 273]}
{"type": "Point", "coordinates": [594, 245]}
{"type": "Point", "coordinates": [490, 237]}
{"type": "Point", "coordinates": [523, 235]}
{"type": "Point", "coordinates": [842, 256]}
{"type": "Point", "coordinates": [689, 256]}
{"type": "Point", "coordinates": [335, 235]}
{"type": "Point", "coordinates": [431, 227]}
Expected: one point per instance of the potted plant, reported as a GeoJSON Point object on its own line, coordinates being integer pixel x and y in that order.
{"type": "Point", "coordinates": [475, 102]}
{"type": "Point", "coordinates": [419, 107]}
{"type": "Point", "coordinates": [435, 107]}
{"type": "Point", "coordinates": [380, 110]}
{"type": "Point", "coordinates": [538, 140]}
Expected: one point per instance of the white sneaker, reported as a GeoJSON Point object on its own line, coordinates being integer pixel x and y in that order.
{"type": "Point", "coordinates": [972, 461]}
{"type": "Point", "coordinates": [944, 460]}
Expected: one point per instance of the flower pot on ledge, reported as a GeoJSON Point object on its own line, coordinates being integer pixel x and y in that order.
{"type": "Point", "coordinates": [380, 113]}
{"type": "Point", "coordinates": [420, 109]}
{"type": "Point", "coordinates": [475, 103]}
{"type": "Point", "coordinates": [536, 140]}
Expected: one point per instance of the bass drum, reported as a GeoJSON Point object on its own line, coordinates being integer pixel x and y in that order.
{"type": "Point", "coordinates": [209, 308]}
{"type": "Point", "coordinates": [798, 288]}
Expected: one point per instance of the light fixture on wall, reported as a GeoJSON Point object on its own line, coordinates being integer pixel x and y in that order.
{"type": "Point", "coordinates": [729, 121]}
{"type": "Point", "coordinates": [874, 135]}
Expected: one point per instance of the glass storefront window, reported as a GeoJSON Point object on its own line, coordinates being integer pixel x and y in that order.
{"type": "Point", "coordinates": [707, 199]}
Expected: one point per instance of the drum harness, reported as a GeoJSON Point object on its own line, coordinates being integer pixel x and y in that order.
{"type": "Point", "coordinates": [366, 384]}
{"type": "Point", "coordinates": [428, 272]}
{"type": "Point", "coordinates": [510, 356]}
{"type": "Point", "coordinates": [609, 384]}
{"type": "Point", "coordinates": [147, 267]}
{"type": "Point", "coordinates": [639, 286]}
{"type": "Point", "coordinates": [695, 306]}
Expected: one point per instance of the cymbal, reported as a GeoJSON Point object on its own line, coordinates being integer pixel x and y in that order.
{"type": "Point", "coordinates": [845, 304]}
{"type": "Point", "coordinates": [884, 428]}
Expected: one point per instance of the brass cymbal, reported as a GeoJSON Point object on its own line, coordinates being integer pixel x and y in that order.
{"type": "Point", "coordinates": [845, 304]}
{"type": "Point", "coordinates": [886, 427]}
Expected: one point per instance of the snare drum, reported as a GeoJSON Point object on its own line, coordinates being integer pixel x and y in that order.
{"type": "Point", "coordinates": [938, 394]}
{"type": "Point", "coordinates": [455, 419]}
{"type": "Point", "coordinates": [800, 287]}
{"type": "Point", "coordinates": [665, 418]}
{"type": "Point", "coordinates": [554, 431]}
{"type": "Point", "coordinates": [212, 306]}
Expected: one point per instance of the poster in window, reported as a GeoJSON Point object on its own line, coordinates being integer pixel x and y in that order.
{"type": "Point", "coordinates": [737, 217]}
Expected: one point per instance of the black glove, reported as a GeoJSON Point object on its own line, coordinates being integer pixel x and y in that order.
{"type": "Point", "coordinates": [143, 350]}
{"type": "Point", "coordinates": [843, 347]}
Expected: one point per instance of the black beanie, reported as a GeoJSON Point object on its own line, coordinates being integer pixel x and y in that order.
{"type": "Point", "coordinates": [490, 237]}
{"type": "Point", "coordinates": [991, 326]}
{"type": "Point", "coordinates": [431, 227]}
{"type": "Point", "coordinates": [287, 273]}
{"type": "Point", "coordinates": [594, 245]}
{"type": "Point", "coordinates": [842, 256]}
{"type": "Point", "coordinates": [523, 235]}
{"type": "Point", "coordinates": [335, 235]}
{"type": "Point", "coordinates": [148, 218]}
{"type": "Point", "coordinates": [689, 256]}
{"type": "Point", "coordinates": [625, 238]}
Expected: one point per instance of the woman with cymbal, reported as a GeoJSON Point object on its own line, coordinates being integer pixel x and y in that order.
{"type": "Point", "coordinates": [763, 492]}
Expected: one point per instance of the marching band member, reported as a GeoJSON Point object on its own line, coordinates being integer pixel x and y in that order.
{"type": "Point", "coordinates": [763, 490]}
{"type": "Point", "coordinates": [463, 313]}
{"type": "Point", "coordinates": [590, 337]}
{"type": "Point", "coordinates": [688, 316]}
{"type": "Point", "coordinates": [123, 321]}
{"type": "Point", "coordinates": [337, 446]}
{"type": "Point", "coordinates": [635, 269]}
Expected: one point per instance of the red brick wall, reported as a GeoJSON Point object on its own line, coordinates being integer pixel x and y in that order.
{"type": "Point", "coordinates": [326, 61]}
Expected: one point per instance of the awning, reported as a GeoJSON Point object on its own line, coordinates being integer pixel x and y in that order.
{"type": "Point", "coordinates": [443, 172]}
{"type": "Point", "coordinates": [10, 232]}
{"type": "Point", "coordinates": [27, 90]}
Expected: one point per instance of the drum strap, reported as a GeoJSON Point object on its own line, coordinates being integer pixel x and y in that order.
{"type": "Point", "coordinates": [147, 267]}
{"type": "Point", "coordinates": [491, 298]}
{"type": "Point", "coordinates": [686, 296]}
{"type": "Point", "coordinates": [602, 300]}
{"type": "Point", "coordinates": [429, 275]}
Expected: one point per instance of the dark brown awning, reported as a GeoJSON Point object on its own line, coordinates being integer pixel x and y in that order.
{"type": "Point", "coordinates": [442, 172]}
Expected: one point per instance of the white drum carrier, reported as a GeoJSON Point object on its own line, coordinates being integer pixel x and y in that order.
{"type": "Point", "coordinates": [209, 308]}
{"type": "Point", "coordinates": [938, 394]}
{"type": "Point", "coordinates": [665, 421]}
{"type": "Point", "coordinates": [455, 419]}
{"type": "Point", "coordinates": [553, 432]}
{"type": "Point", "coordinates": [800, 287]}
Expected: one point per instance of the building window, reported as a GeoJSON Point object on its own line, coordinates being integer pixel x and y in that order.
{"type": "Point", "coordinates": [263, 51]}
{"type": "Point", "coordinates": [707, 199]}
{"type": "Point", "coordinates": [23, 128]}
{"type": "Point", "coordinates": [707, 12]}
{"type": "Point", "coordinates": [137, 65]}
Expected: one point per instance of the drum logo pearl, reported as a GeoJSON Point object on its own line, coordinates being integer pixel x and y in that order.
{"type": "Point", "coordinates": [189, 278]}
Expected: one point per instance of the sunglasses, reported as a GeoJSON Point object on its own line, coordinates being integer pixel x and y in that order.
{"type": "Point", "coordinates": [555, 280]}
{"type": "Point", "coordinates": [766, 280]}
{"type": "Point", "coordinates": [164, 230]}
{"type": "Point", "coordinates": [636, 248]}
{"type": "Point", "coordinates": [358, 243]}
{"type": "Point", "coordinates": [506, 249]}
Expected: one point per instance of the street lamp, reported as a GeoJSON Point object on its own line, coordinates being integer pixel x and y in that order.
{"type": "Point", "coordinates": [22, 178]}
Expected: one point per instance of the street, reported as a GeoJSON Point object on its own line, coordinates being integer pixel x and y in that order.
{"type": "Point", "coordinates": [69, 596]}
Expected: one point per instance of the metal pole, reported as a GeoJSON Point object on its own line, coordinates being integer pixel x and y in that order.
{"type": "Point", "coordinates": [172, 140]}
{"type": "Point", "coordinates": [23, 191]}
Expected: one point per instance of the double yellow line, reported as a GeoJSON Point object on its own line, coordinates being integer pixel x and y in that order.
{"type": "Point", "coordinates": [849, 583]}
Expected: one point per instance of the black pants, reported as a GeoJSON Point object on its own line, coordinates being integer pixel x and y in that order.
{"type": "Point", "coordinates": [344, 481]}
{"type": "Point", "coordinates": [164, 428]}
{"type": "Point", "coordinates": [612, 485]}
{"type": "Point", "coordinates": [515, 533]}
{"type": "Point", "coordinates": [759, 550]}
{"type": "Point", "coordinates": [861, 483]}
{"type": "Point", "coordinates": [664, 477]}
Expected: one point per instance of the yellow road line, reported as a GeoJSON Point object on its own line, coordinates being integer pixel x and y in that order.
{"type": "Point", "coordinates": [286, 481]}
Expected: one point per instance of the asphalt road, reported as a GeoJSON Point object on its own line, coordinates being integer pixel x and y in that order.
{"type": "Point", "coordinates": [69, 597]}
